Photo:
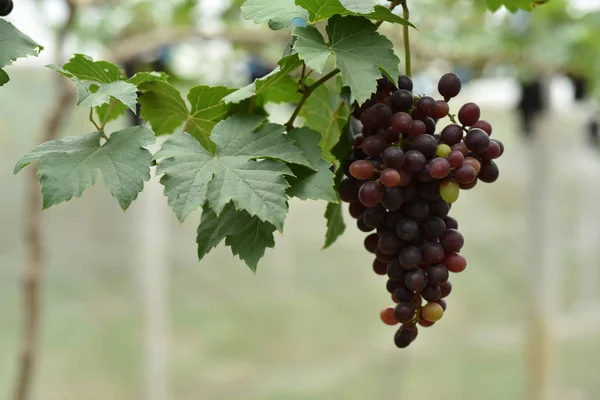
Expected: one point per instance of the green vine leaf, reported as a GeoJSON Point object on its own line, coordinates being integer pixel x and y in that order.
{"type": "Point", "coordinates": [192, 175]}
{"type": "Point", "coordinates": [324, 112]}
{"type": "Point", "coordinates": [69, 166]}
{"type": "Point", "coordinates": [359, 51]}
{"type": "Point", "coordinates": [511, 5]}
{"type": "Point", "coordinates": [14, 44]}
{"type": "Point", "coordinates": [335, 223]}
{"type": "Point", "coordinates": [164, 108]}
{"type": "Point", "coordinates": [309, 184]}
{"type": "Point", "coordinates": [279, 14]}
{"type": "Point", "coordinates": [270, 81]}
{"type": "Point", "coordinates": [247, 236]}
{"type": "Point", "coordinates": [323, 9]}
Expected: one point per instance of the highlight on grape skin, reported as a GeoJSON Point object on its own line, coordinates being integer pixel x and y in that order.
{"type": "Point", "coordinates": [414, 156]}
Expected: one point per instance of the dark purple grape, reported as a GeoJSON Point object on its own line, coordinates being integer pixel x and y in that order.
{"type": "Point", "coordinates": [429, 126]}
{"type": "Point", "coordinates": [393, 217]}
{"type": "Point", "coordinates": [469, 114]}
{"type": "Point", "coordinates": [401, 100]}
{"type": "Point", "coordinates": [451, 223]}
{"type": "Point", "coordinates": [405, 336]}
{"type": "Point", "coordinates": [439, 208]}
{"type": "Point", "coordinates": [417, 209]}
{"type": "Point", "coordinates": [426, 105]}
{"type": "Point", "coordinates": [381, 256]}
{"type": "Point", "coordinates": [409, 257]}
{"type": "Point", "coordinates": [393, 157]}
{"type": "Point", "coordinates": [493, 151]}
{"type": "Point", "coordinates": [451, 134]}
{"type": "Point", "coordinates": [432, 252]}
{"type": "Point", "coordinates": [373, 146]}
{"type": "Point", "coordinates": [379, 116]}
{"type": "Point", "coordinates": [404, 82]}
{"type": "Point", "coordinates": [426, 144]}
{"type": "Point", "coordinates": [449, 85]}
{"type": "Point", "coordinates": [437, 275]}
{"type": "Point", "coordinates": [477, 140]}
{"type": "Point", "coordinates": [393, 198]}
{"type": "Point", "coordinates": [446, 289]}
{"type": "Point", "coordinates": [356, 209]}
{"type": "Point", "coordinates": [389, 135]}
{"type": "Point", "coordinates": [489, 172]}
{"type": "Point", "coordinates": [407, 229]}
{"type": "Point", "coordinates": [417, 128]}
{"type": "Point", "coordinates": [391, 285]}
{"type": "Point", "coordinates": [348, 190]}
{"type": "Point", "coordinates": [361, 225]}
{"type": "Point", "coordinates": [501, 146]}
{"type": "Point", "coordinates": [395, 271]}
{"type": "Point", "coordinates": [429, 191]}
{"type": "Point", "coordinates": [452, 241]}
{"type": "Point", "coordinates": [410, 192]}
{"type": "Point", "coordinates": [434, 227]}
{"type": "Point", "coordinates": [423, 175]}
{"type": "Point", "coordinates": [404, 312]}
{"type": "Point", "coordinates": [416, 280]}
{"type": "Point", "coordinates": [468, 186]}
{"type": "Point", "coordinates": [401, 122]}
{"type": "Point", "coordinates": [371, 242]}
{"type": "Point", "coordinates": [389, 243]}
{"type": "Point", "coordinates": [441, 109]}
{"type": "Point", "coordinates": [442, 303]}
{"type": "Point", "coordinates": [414, 161]}
{"type": "Point", "coordinates": [374, 217]}
{"type": "Point", "coordinates": [370, 193]}
{"type": "Point", "coordinates": [431, 293]}
{"type": "Point", "coordinates": [439, 168]}
{"type": "Point", "coordinates": [402, 294]}
{"type": "Point", "coordinates": [379, 267]}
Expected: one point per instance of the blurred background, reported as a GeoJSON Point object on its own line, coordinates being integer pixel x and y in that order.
{"type": "Point", "coordinates": [129, 313]}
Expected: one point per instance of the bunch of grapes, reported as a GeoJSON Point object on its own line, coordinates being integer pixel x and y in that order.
{"type": "Point", "coordinates": [401, 180]}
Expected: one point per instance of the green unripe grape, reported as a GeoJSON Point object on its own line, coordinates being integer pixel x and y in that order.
{"type": "Point", "coordinates": [449, 190]}
{"type": "Point", "coordinates": [443, 150]}
{"type": "Point", "coordinates": [432, 312]}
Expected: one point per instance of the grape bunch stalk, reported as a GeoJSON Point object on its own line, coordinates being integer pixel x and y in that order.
{"type": "Point", "coordinates": [401, 179]}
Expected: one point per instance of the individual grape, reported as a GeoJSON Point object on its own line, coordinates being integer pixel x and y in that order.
{"type": "Point", "coordinates": [376, 161]}
{"type": "Point", "coordinates": [452, 240]}
{"type": "Point", "coordinates": [451, 223]}
{"type": "Point", "coordinates": [455, 158]}
{"type": "Point", "coordinates": [374, 217]}
{"type": "Point", "coordinates": [358, 139]}
{"type": "Point", "coordinates": [449, 190]}
{"type": "Point", "coordinates": [429, 126]}
{"type": "Point", "coordinates": [389, 243]}
{"type": "Point", "coordinates": [431, 293]}
{"type": "Point", "coordinates": [484, 125]}
{"type": "Point", "coordinates": [439, 208]}
{"type": "Point", "coordinates": [437, 274]}
{"type": "Point", "coordinates": [423, 175]}
{"type": "Point", "coordinates": [501, 146]}
{"type": "Point", "coordinates": [379, 116]}
{"type": "Point", "coordinates": [493, 151]}
{"type": "Point", "coordinates": [415, 161]}
{"type": "Point", "coordinates": [446, 289]}
{"type": "Point", "coordinates": [395, 271]}
{"type": "Point", "coordinates": [449, 85]}
{"type": "Point", "coordinates": [432, 312]}
{"type": "Point", "coordinates": [361, 225]}
{"type": "Point", "coordinates": [416, 114]}
{"type": "Point", "coordinates": [393, 217]}
{"type": "Point", "coordinates": [390, 178]}
{"type": "Point", "coordinates": [442, 303]}
{"type": "Point", "coordinates": [401, 100]}
{"type": "Point", "coordinates": [370, 193]}
{"type": "Point", "coordinates": [391, 285]}
{"type": "Point", "coordinates": [489, 172]}
{"type": "Point", "coordinates": [467, 186]}
{"type": "Point", "coordinates": [401, 122]}
{"type": "Point", "coordinates": [443, 150]}
{"type": "Point", "coordinates": [361, 169]}
{"type": "Point", "coordinates": [356, 209]}
{"type": "Point", "coordinates": [393, 198]}
{"type": "Point", "coordinates": [477, 140]}
{"type": "Point", "coordinates": [348, 190]}
{"type": "Point", "coordinates": [416, 280]}
{"type": "Point", "coordinates": [409, 257]}
{"type": "Point", "coordinates": [434, 227]}
{"type": "Point", "coordinates": [465, 174]}
{"type": "Point", "coordinates": [387, 316]}
{"type": "Point", "coordinates": [405, 178]}
{"type": "Point", "coordinates": [460, 146]}
{"type": "Point", "coordinates": [429, 191]}
{"type": "Point", "coordinates": [404, 312]}
{"type": "Point", "coordinates": [473, 162]}
{"type": "Point", "coordinates": [383, 257]}
{"type": "Point", "coordinates": [405, 336]}
{"type": "Point", "coordinates": [404, 82]}
{"type": "Point", "coordinates": [432, 252]}
{"type": "Point", "coordinates": [451, 134]}
{"type": "Point", "coordinates": [393, 157]}
{"type": "Point", "coordinates": [373, 146]}
{"type": "Point", "coordinates": [455, 262]}
{"type": "Point", "coordinates": [417, 128]}
{"type": "Point", "coordinates": [469, 114]}
{"type": "Point", "coordinates": [441, 109]}
{"type": "Point", "coordinates": [424, 323]}
{"type": "Point", "coordinates": [407, 229]}
{"type": "Point", "coordinates": [379, 267]}
{"type": "Point", "coordinates": [417, 209]}
{"type": "Point", "coordinates": [439, 168]}
{"type": "Point", "coordinates": [402, 294]}
{"type": "Point", "coordinates": [426, 105]}
{"type": "Point", "coordinates": [371, 242]}
{"type": "Point", "coordinates": [389, 135]}
{"type": "Point", "coordinates": [426, 144]}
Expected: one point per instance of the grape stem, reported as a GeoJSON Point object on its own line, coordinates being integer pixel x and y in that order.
{"type": "Point", "coordinates": [92, 119]}
{"type": "Point", "coordinates": [306, 92]}
{"type": "Point", "coordinates": [407, 61]}
{"type": "Point", "coordinates": [392, 6]}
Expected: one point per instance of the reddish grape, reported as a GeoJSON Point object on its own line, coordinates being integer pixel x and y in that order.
{"type": "Point", "coordinates": [426, 105]}
{"type": "Point", "coordinates": [432, 252]}
{"type": "Point", "coordinates": [477, 140]}
{"type": "Point", "coordinates": [489, 172]}
{"type": "Point", "coordinates": [414, 161]}
{"type": "Point", "coordinates": [449, 85]}
{"type": "Point", "coordinates": [460, 146]}
{"type": "Point", "coordinates": [361, 169]}
{"type": "Point", "coordinates": [452, 241]}
{"type": "Point", "coordinates": [446, 289]}
{"type": "Point", "coordinates": [451, 134]}
{"type": "Point", "coordinates": [373, 146]}
{"type": "Point", "coordinates": [390, 178]}
{"type": "Point", "coordinates": [439, 168]}
{"type": "Point", "coordinates": [465, 174]}
{"type": "Point", "coordinates": [370, 193]}
{"type": "Point", "coordinates": [484, 125]}
{"type": "Point", "coordinates": [501, 146]}
{"type": "Point", "coordinates": [493, 151]}
{"type": "Point", "coordinates": [455, 262]}
{"type": "Point", "coordinates": [441, 109]}
{"type": "Point", "coordinates": [424, 323]}
{"type": "Point", "coordinates": [401, 122]}
{"type": "Point", "coordinates": [451, 223]}
{"type": "Point", "coordinates": [417, 128]}
{"type": "Point", "coordinates": [455, 158]}
{"type": "Point", "coordinates": [469, 114]}
{"type": "Point", "coordinates": [405, 179]}
{"type": "Point", "coordinates": [387, 316]}
{"type": "Point", "coordinates": [473, 162]}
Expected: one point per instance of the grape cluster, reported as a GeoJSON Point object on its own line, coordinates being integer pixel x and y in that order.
{"type": "Point", "coordinates": [401, 180]}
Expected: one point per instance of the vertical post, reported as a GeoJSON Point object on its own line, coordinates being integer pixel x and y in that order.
{"type": "Point", "coordinates": [153, 277]}
{"type": "Point", "coordinates": [543, 255]}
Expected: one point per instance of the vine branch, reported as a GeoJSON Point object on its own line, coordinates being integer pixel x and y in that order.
{"type": "Point", "coordinates": [32, 275]}
{"type": "Point", "coordinates": [306, 92]}
{"type": "Point", "coordinates": [405, 29]}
